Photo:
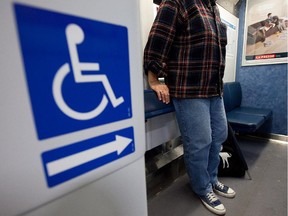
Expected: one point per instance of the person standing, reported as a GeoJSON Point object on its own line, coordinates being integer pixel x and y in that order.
{"type": "Point", "coordinates": [186, 46]}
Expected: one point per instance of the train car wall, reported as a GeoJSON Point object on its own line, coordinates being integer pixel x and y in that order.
{"type": "Point", "coordinates": [263, 86]}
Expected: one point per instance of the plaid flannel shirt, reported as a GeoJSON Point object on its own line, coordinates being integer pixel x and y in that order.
{"type": "Point", "coordinates": [186, 45]}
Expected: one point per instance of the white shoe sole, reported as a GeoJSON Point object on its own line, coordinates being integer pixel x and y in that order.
{"type": "Point", "coordinates": [215, 211]}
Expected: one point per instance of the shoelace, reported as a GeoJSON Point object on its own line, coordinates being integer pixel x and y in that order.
{"type": "Point", "coordinates": [211, 197]}
{"type": "Point", "coordinates": [220, 185]}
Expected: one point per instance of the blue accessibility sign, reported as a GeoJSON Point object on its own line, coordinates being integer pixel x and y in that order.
{"type": "Point", "coordinates": [77, 70]}
{"type": "Point", "coordinates": [73, 160]}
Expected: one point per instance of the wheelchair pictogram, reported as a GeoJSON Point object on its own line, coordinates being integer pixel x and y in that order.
{"type": "Point", "coordinates": [75, 36]}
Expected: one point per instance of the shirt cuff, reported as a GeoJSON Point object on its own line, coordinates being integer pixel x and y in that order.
{"type": "Point", "coordinates": [156, 68]}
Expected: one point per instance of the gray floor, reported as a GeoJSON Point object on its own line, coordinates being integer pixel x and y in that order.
{"type": "Point", "coordinates": [264, 195]}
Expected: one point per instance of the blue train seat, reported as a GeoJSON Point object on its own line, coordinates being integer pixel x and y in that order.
{"type": "Point", "coordinates": [154, 107]}
{"type": "Point", "coordinates": [160, 121]}
{"type": "Point", "coordinates": [242, 119]}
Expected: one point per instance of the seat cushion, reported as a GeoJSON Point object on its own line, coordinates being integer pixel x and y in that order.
{"type": "Point", "coordinates": [266, 113]}
{"type": "Point", "coordinates": [243, 122]}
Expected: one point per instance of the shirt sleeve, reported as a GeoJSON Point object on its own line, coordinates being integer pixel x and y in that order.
{"type": "Point", "coordinates": [160, 38]}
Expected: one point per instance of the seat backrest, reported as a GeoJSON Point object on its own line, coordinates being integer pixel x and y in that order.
{"type": "Point", "coordinates": [232, 95]}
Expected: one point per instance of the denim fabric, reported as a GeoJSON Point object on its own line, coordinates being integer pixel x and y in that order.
{"type": "Point", "coordinates": [203, 127]}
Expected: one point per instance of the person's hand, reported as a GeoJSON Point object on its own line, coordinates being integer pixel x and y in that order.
{"type": "Point", "coordinates": [161, 89]}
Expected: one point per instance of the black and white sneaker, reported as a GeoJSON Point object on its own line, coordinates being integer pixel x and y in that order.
{"type": "Point", "coordinates": [224, 190]}
{"type": "Point", "coordinates": [213, 204]}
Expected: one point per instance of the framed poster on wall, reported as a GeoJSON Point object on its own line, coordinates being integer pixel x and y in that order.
{"type": "Point", "coordinates": [265, 32]}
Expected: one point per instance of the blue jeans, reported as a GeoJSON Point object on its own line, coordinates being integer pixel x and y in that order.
{"type": "Point", "coordinates": [203, 127]}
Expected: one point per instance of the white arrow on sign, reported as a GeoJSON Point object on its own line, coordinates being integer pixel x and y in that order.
{"type": "Point", "coordinates": [118, 145]}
